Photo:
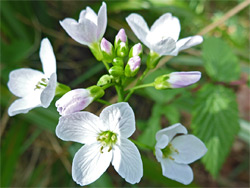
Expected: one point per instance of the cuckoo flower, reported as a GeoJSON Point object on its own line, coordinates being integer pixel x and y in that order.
{"type": "Point", "coordinates": [90, 27]}
{"type": "Point", "coordinates": [34, 88]}
{"type": "Point", "coordinates": [105, 140]}
{"type": "Point", "coordinates": [176, 152]}
{"type": "Point", "coordinates": [162, 37]}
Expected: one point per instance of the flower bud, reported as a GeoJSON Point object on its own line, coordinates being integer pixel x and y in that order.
{"type": "Point", "coordinates": [105, 79]}
{"type": "Point", "coordinates": [107, 50]}
{"type": "Point", "coordinates": [96, 51]}
{"type": "Point", "coordinates": [118, 61]}
{"type": "Point", "coordinates": [121, 44]}
{"type": "Point", "coordinates": [132, 66]}
{"type": "Point", "coordinates": [153, 60]}
{"type": "Point", "coordinates": [136, 50]}
{"type": "Point", "coordinates": [177, 79]}
{"type": "Point", "coordinates": [96, 92]}
{"type": "Point", "coordinates": [74, 101]}
{"type": "Point", "coordinates": [121, 35]}
{"type": "Point", "coordinates": [116, 71]}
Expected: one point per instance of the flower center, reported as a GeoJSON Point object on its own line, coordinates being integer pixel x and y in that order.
{"type": "Point", "coordinates": [167, 151]}
{"type": "Point", "coordinates": [41, 84]}
{"type": "Point", "coordinates": [107, 139]}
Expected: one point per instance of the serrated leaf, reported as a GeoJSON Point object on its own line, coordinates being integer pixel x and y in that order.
{"type": "Point", "coordinates": [215, 121]}
{"type": "Point", "coordinates": [219, 60]}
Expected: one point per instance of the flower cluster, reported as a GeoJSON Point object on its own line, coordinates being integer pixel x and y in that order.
{"type": "Point", "coordinates": [105, 138]}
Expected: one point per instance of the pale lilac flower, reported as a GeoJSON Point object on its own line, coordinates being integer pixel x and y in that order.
{"type": "Point", "coordinates": [90, 27]}
{"type": "Point", "coordinates": [74, 101]}
{"type": "Point", "coordinates": [176, 152]}
{"type": "Point", "coordinates": [105, 140]}
{"type": "Point", "coordinates": [106, 46]}
{"type": "Point", "coordinates": [134, 63]}
{"type": "Point", "coordinates": [136, 50]}
{"type": "Point", "coordinates": [162, 37]}
{"type": "Point", "coordinates": [183, 79]}
{"type": "Point", "coordinates": [121, 35]}
{"type": "Point", "coordinates": [34, 88]}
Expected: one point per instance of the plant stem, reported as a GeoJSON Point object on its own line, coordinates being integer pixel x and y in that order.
{"type": "Point", "coordinates": [107, 86]}
{"type": "Point", "coordinates": [142, 86]}
{"type": "Point", "coordinates": [141, 145]}
{"type": "Point", "coordinates": [119, 93]}
{"type": "Point", "coordinates": [103, 101]}
{"type": "Point", "coordinates": [106, 65]}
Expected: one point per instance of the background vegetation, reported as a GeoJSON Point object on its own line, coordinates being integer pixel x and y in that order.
{"type": "Point", "coordinates": [216, 109]}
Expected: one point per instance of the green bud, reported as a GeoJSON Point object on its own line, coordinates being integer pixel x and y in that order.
{"type": "Point", "coordinates": [153, 60]}
{"type": "Point", "coordinates": [161, 82]}
{"type": "Point", "coordinates": [61, 89]}
{"type": "Point", "coordinates": [96, 51]}
{"type": "Point", "coordinates": [116, 71]}
{"type": "Point", "coordinates": [96, 92]}
{"type": "Point", "coordinates": [118, 61]}
{"type": "Point", "coordinates": [122, 49]}
{"type": "Point", "coordinates": [105, 79]}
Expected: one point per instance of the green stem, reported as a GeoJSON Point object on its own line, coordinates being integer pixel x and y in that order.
{"type": "Point", "coordinates": [106, 65]}
{"type": "Point", "coordinates": [142, 86]}
{"type": "Point", "coordinates": [107, 86]}
{"type": "Point", "coordinates": [141, 145]}
{"type": "Point", "coordinates": [103, 101]}
{"type": "Point", "coordinates": [119, 93]}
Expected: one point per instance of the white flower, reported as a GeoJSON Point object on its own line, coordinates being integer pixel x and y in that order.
{"type": "Point", "coordinates": [163, 35]}
{"type": "Point", "coordinates": [106, 141]}
{"type": "Point", "coordinates": [90, 27]}
{"type": "Point", "coordinates": [175, 153]}
{"type": "Point", "coordinates": [34, 88]}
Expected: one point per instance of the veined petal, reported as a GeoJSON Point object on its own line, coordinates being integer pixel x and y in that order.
{"type": "Point", "coordinates": [171, 131]}
{"type": "Point", "coordinates": [47, 58]}
{"type": "Point", "coordinates": [127, 161]}
{"type": "Point", "coordinates": [82, 127]}
{"type": "Point", "coordinates": [178, 172]}
{"type": "Point", "coordinates": [89, 164]}
{"type": "Point", "coordinates": [166, 26]}
{"type": "Point", "coordinates": [162, 142]}
{"type": "Point", "coordinates": [163, 47]}
{"type": "Point", "coordinates": [139, 27]}
{"type": "Point", "coordinates": [22, 82]}
{"type": "Point", "coordinates": [25, 104]}
{"type": "Point", "coordinates": [76, 30]}
{"type": "Point", "coordinates": [119, 118]}
{"type": "Point", "coordinates": [88, 14]}
{"type": "Point", "coordinates": [48, 93]}
{"type": "Point", "coordinates": [102, 21]}
{"type": "Point", "coordinates": [183, 79]}
{"type": "Point", "coordinates": [189, 147]}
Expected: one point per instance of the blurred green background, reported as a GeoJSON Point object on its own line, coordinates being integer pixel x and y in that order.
{"type": "Point", "coordinates": [216, 109]}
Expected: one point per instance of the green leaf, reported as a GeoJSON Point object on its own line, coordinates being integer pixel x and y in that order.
{"type": "Point", "coordinates": [219, 60]}
{"type": "Point", "coordinates": [215, 121]}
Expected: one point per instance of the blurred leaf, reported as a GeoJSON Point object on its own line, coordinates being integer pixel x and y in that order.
{"type": "Point", "coordinates": [215, 122]}
{"type": "Point", "coordinates": [244, 132]}
{"type": "Point", "coordinates": [219, 60]}
{"type": "Point", "coordinates": [172, 113]}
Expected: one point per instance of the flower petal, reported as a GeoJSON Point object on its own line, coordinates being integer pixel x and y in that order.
{"type": "Point", "coordinates": [171, 131]}
{"type": "Point", "coordinates": [88, 14]}
{"type": "Point", "coordinates": [163, 47]}
{"type": "Point", "coordinates": [25, 104]}
{"type": "Point", "coordinates": [48, 93]}
{"type": "Point", "coordinates": [187, 43]}
{"type": "Point", "coordinates": [166, 26]}
{"type": "Point", "coordinates": [127, 161]}
{"type": "Point", "coordinates": [82, 127]}
{"type": "Point", "coordinates": [162, 142]}
{"type": "Point", "coordinates": [102, 21]}
{"type": "Point", "coordinates": [119, 118]}
{"type": "Point", "coordinates": [190, 149]}
{"type": "Point", "coordinates": [183, 79]}
{"type": "Point", "coordinates": [47, 58]}
{"type": "Point", "coordinates": [89, 164]}
{"type": "Point", "coordinates": [23, 81]}
{"type": "Point", "coordinates": [139, 27]}
{"type": "Point", "coordinates": [76, 31]}
{"type": "Point", "coordinates": [178, 172]}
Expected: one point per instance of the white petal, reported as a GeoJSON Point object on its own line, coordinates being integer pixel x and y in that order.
{"type": "Point", "coordinates": [127, 161]}
{"type": "Point", "coordinates": [23, 81]}
{"type": "Point", "coordinates": [178, 172]}
{"type": "Point", "coordinates": [162, 142]}
{"type": "Point", "coordinates": [47, 57]}
{"type": "Point", "coordinates": [25, 104]}
{"type": "Point", "coordinates": [163, 47]}
{"type": "Point", "coordinates": [76, 30]}
{"type": "Point", "coordinates": [171, 131]}
{"type": "Point", "coordinates": [82, 127]}
{"type": "Point", "coordinates": [158, 154]}
{"type": "Point", "coordinates": [119, 118]}
{"type": "Point", "coordinates": [166, 26]}
{"type": "Point", "coordinates": [88, 14]}
{"type": "Point", "coordinates": [139, 27]}
{"type": "Point", "coordinates": [190, 149]}
{"type": "Point", "coordinates": [48, 93]}
{"type": "Point", "coordinates": [187, 43]}
{"type": "Point", "coordinates": [89, 164]}
{"type": "Point", "coordinates": [102, 21]}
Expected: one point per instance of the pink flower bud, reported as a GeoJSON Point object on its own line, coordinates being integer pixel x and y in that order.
{"type": "Point", "coordinates": [74, 101]}
{"type": "Point", "coordinates": [183, 79]}
{"type": "Point", "coordinates": [121, 35]}
{"type": "Point", "coordinates": [137, 50]}
{"type": "Point", "coordinates": [106, 46]}
{"type": "Point", "coordinates": [134, 63]}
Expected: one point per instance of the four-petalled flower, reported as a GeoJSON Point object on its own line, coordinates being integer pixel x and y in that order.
{"type": "Point", "coordinates": [106, 141]}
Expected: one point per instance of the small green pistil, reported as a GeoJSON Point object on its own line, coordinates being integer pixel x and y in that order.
{"type": "Point", "coordinates": [167, 151]}
{"type": "Point", "coordinates": [107, 139]}
{"type": "Point", "coordinates": [41, 84]}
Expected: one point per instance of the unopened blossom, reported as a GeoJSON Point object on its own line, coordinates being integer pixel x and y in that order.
{"type": "Point", "coordinates": [133, 66]}
{"type": "Point", "coordinates": [121, 44]}
{"type": "Point", "coordinates": [162, 37]}
{"type": "Point", "coordinates": [177, 79]}
{"type": "Point", "coordinates": [35, 88]}
{"type": "Point", "coordinates": [175, 152]}
{"type": "Point", "coordinates": [90, 27]}
{"type": "Point", "coordinates": [107, 50]}
{"type": "Point", "coordinates": [105, 140]}
{"type": "Point", "coordinates": [136, 50]}
{"type": "Point", "coordinates": [121, 35]}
